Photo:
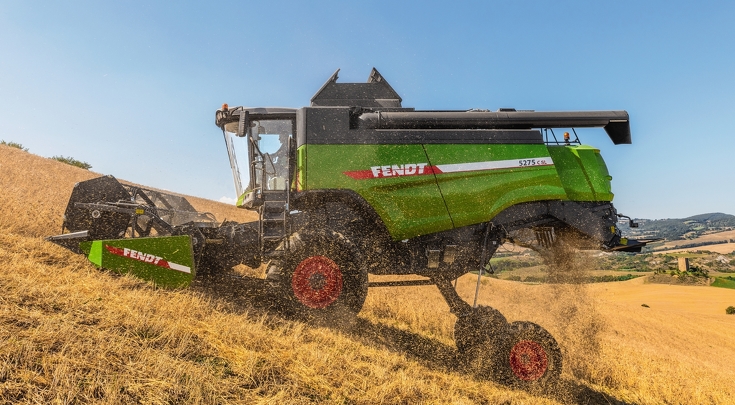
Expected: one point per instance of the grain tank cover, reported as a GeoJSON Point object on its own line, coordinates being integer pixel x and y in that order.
{"type": "Point", "coordinates": [375, 93]}
{"type": "Point", "coordinates": [376, 108]}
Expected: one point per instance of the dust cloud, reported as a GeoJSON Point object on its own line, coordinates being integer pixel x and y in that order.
{"type": "Point", "coordinates": [572, 309]}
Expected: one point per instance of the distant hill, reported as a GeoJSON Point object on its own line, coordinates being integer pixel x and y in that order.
{"type": "Point", "coordinates": [682, 228]}
{"type": "Point", "coordinates": [714, 219]}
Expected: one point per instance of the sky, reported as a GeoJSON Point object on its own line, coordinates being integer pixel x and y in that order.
{"type": "Point", "coordinates": [132, 87]}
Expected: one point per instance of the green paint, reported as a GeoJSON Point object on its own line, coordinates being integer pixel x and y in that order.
{"type": "Point", "coordinates": [300, 176]}
{"type": "Point", "coordinates": [723, 283]}
{"type": "Point", "coordinates": [416, 205]}
{"type": "Point", "coordinates": [583, 173]}
{"type": "Point", "coordinates": [144, 257]}
{"type": "Point", "coordinates": [409, 206]}
{"type": "Point", "coordinates": [241, 199]}
{"type": "Point", "coordinates": [85, 247]}
{"type": "Point", "coordinates": [474, 197]}
{"type": "Point", "coordinates": [95, 253]}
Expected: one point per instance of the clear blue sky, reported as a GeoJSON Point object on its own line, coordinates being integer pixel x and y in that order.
{"type": "Point", "coordinates": [132, 87]}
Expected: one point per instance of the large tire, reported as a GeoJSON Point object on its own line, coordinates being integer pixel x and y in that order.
{"type": "Point", "coordinates": [479, 328]}
{"type": "Point", "coordinates": [480, 338]}
{"type": "Point", "coordinates": [530, 358]}
{"type": "Point", "coordinates": [321, 278]}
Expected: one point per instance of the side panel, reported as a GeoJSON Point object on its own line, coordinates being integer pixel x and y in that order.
{"type": "Point", "coordinates": [583, 172]}
{"type": "Point", "coordinates": [167, 261]}
{"type": "Point", "coordinates": [396, 180]}
{"type": "Point", "coordinates": [597, 172]}
{"type": "Point", "coordinates": [478, 181]}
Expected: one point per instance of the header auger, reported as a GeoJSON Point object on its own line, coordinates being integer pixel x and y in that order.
{"type": "Point", "coordinates": [357, 184]}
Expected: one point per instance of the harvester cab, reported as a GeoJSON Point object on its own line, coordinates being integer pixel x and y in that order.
{"type": "Point", "coordinates": [357, 184]}
{"type": "Point", "coordinates": [261, 139]}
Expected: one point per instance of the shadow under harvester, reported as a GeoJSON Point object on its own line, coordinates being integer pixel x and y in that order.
{"type": "Point", "coordinates": [243, 293]}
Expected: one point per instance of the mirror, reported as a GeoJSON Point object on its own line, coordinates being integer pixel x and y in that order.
{"type": "Point", "coordinates": [241, 124]}
{"type": "Point", "coordinates": [259, 130]}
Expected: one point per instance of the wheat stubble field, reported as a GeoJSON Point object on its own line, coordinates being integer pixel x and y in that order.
{"type": "Point", "coordinates": [70, 333]}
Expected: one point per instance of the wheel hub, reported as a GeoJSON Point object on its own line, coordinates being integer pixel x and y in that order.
{"type": "Point", "coordinates": [528, 360]}
{"type": "Point", "coordinates": [317, 282]}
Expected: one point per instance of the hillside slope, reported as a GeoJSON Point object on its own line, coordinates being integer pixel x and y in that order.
{"type": "Point", "coordinates": [71, 333]}
{"type": "Point", "coordinates": [681, 228]}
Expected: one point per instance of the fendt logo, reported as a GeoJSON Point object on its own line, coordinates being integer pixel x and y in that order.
{"type": "Point", "coordinates": [406, 169]}
{"type": "Point", "coordinates": [418, 169]}
{"type": "Point", "coordinates": [147, 258]}
{"type": "Point", "coordinates": [398, 170]}
{"type": "Point", "coordinates": [143, 257]}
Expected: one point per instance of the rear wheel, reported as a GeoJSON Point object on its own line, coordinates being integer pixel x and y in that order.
{"type": "Point", "coordinates": [322, 277]}
{"type": "Point", "coordinates": [531, 358]}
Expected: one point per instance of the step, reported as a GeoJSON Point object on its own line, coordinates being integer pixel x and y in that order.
{"type": "Point", "coordinates": [274, 220]}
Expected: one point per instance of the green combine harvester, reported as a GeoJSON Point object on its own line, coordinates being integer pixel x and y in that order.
{"type": "Point", "coordinates": [357, 184]}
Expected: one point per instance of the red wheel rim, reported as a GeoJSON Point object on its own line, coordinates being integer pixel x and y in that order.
{"type": "Point", "coordinates": [317, 282]}
{"type": "Point", "coordinates": [528, 360]}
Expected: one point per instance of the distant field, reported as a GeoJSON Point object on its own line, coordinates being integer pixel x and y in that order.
{"type": "Point", "coordinates": [711, 237]}
{"type": "Point", "coordinates": [70, 333]}
{"type": "Point", "coordinates": [724, 248]}
{"type": "Point", "coordinates": [724, 283]}
{"type": "Point", "coordinates": [540, 271]}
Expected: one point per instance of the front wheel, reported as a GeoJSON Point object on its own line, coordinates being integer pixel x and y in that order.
{"type": "Point", "coordinates": [321, 277]}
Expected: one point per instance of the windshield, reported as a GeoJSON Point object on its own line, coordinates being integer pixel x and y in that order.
{"type": "Point", "coordinates": [259, 159]}
{"type": "Point", "coordinates": [237, 148]}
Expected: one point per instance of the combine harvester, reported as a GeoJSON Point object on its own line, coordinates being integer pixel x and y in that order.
{"type": "Point", "coordinates": [357, 184]}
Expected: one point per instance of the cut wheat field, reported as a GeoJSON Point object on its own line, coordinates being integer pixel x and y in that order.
{"type": "Point", "coordinates": [70, 333]}
{"type": "Point", "coordinates": [724, 248]}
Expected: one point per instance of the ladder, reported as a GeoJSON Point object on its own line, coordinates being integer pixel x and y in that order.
{"type": "Point", "coordinates": [274, 224]}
